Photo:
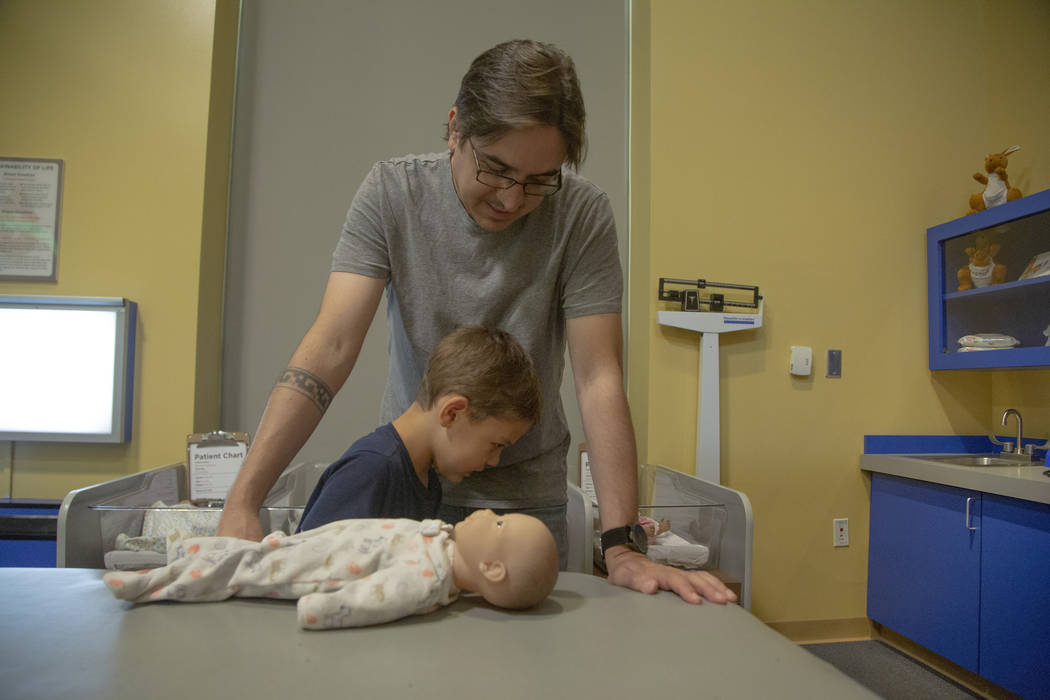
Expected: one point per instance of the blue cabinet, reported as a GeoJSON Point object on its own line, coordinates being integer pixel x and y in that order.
{"type": "Point", "coordinates": [28, 528]}
{"type": "Point", "coordinates": [924, 565]}
{"type": "Point", "coordinates": [965, 575]}
{"type": "Point", "coordinates": [1019, 234]}
{"type": "Point", "coordinates": [1015, 595]}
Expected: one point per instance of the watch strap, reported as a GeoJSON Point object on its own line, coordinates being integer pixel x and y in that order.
{"type": "Point", "coordinates": [623, 535]}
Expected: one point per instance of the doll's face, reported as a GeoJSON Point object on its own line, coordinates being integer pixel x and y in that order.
{"type": "Point", "coordinates": [485, 535]}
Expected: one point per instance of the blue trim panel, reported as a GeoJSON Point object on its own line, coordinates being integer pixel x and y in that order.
{"type": "Point", "coordinates": [937, 444]}
{"type": "Point", "coordinates": [129, 376]}
{"type": "Point", "coordinates": [927, 444]}
{"type": "Point", "coordinates": [35, 553]}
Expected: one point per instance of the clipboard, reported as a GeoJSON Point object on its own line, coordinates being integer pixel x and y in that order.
{"type": "Point", "coordinates": [583, 475]}
{"type": "Point", "coordinates": [213, 460]}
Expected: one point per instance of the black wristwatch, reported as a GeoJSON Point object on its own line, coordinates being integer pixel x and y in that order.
{"type": "Point", "coordinates": [631, 535]}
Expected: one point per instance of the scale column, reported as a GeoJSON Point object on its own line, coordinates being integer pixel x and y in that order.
{"type": "Point", "coordinates": [708, 452]}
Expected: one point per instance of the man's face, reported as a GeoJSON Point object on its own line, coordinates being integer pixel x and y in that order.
{"type": "Point", "coordinates": [530, 154]}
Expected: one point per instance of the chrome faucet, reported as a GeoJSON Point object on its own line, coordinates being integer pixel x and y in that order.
{"type": "Point", "coordinates": [1017, 446]}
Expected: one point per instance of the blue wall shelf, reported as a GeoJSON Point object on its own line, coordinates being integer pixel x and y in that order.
{"type": "Point", "coordinates": [1019, 308]}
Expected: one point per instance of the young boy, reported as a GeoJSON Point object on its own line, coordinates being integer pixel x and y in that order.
{"type": "Point", "coordinates": [479, 394]}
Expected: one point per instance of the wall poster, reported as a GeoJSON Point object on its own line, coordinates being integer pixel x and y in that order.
{"type": "Point", "coordinates": [30, 209]}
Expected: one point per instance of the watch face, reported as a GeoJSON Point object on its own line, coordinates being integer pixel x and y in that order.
{"type": "Point", "coordinates": [633, 536]}
{"type": "Point", "coordinates": [640, 538]}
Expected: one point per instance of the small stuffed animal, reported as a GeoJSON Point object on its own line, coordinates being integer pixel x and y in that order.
{"type": "Point", "coordinates": [653, 528]}
{"type": "Point", "coordinates": [997, 188]}
{"type": "Point", "coordinates": [982, 270]}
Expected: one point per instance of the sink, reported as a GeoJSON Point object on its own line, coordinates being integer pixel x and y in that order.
{"type": "Point", "coordinates": [980, 460]}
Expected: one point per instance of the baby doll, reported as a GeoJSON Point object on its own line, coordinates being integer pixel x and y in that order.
{"type": "Point", "coordinates": [351, 573]}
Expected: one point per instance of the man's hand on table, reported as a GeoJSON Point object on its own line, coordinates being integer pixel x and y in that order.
{"type": "Point", "coordinates": [239, 522]}
{"type": "Point", "coordinates": [631, 569]}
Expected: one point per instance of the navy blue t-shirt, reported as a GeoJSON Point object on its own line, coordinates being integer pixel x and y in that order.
{"type": "Point", "coordinates": [373, 479]}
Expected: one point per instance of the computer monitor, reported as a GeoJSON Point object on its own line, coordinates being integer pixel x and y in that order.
{"type": "Point", "coordinates": [68, 366]}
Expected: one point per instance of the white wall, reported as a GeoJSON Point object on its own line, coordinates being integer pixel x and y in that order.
{"type": "Point", "coordinates": [325, 89]}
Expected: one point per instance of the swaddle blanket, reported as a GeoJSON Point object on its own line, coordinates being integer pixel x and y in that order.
{"type": "Point", "coordinates": [347, 573]}
{"type": "Point", "coordinates": [161, 524]}
{"type": "Point", "coordinates": [668, 548]}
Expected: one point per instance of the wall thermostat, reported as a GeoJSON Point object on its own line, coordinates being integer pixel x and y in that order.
{"type": "Point", "coordinates": [801, 360]}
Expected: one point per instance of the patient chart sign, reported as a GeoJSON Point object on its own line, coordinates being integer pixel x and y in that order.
{"type": "Point", "coordinates": [214, 461]}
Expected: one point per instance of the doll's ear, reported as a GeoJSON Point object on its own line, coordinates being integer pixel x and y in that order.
{"type": "Point", "coordinates": [1011, 149]}
{"type": "Point", "coordinates": [493, 571]}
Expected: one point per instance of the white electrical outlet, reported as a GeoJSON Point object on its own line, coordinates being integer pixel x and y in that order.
{"type": "Point", "coordinates": [841, 536]}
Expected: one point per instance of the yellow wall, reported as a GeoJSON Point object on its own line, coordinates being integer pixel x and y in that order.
{"type": "Point", "coordinates": [123, 92]}
{"type": "Point", "coordinates": [805, 147]}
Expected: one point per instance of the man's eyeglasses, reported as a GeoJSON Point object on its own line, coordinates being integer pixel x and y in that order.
{"type": "Point", "coordinates": [502, 182]}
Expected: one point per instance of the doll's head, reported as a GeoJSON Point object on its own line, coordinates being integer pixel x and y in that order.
{"type": "Point", "coordinates": [510, 560]}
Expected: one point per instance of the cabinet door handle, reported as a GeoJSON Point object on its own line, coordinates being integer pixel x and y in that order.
{"type": "Point", "coordinates": [969, 521]}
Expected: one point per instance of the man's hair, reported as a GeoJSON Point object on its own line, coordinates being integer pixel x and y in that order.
{"type": "Point", "coordinates": [488, 367]}
{"type": "Point", "coordinates": [519, 84]}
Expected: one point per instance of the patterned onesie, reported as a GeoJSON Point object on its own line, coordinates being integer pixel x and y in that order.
{"type": "Point", "coordinates": [348, 573]}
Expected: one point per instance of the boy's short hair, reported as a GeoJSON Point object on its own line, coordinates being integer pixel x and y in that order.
{"type": "Point", "coordinates": [518, 84]}
{"type": "Point", "coordinates": [488, 367]}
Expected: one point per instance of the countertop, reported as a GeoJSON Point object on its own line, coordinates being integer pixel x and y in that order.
{"type": "Point", "coordinates": [63, 635]}
{"type": "Point", "coordinates": [1027, 482]}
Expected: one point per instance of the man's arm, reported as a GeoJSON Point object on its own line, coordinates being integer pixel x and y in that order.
{"type": "Point", "coordinates": [317, 370]}
{"type": "Point", "coordinates": [595, 350]}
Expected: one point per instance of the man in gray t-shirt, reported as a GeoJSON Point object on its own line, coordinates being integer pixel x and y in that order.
{"type": "Point", "coordinates": [442, 270]}
{"type": "Point", "coordinates": [498, 231]}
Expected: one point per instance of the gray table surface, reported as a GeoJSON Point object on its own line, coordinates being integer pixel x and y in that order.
{"type": "Point", "coordinates": [65, 636]}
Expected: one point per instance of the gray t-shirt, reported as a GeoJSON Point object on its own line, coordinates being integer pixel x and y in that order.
{"type": "Point", "coordinates": [406, 225]}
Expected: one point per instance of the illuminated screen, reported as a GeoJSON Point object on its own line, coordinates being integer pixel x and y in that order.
{"type": "Point", "coordinates": [67, 366]}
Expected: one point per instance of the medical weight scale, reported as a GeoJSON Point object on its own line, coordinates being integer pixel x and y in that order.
{"type": "Point", "coordinates": [705, 312]}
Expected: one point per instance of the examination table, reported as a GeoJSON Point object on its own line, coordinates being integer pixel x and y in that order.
{"type": "Point", "coordinates": [65, 636]}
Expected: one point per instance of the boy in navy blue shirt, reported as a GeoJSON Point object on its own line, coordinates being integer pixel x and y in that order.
{"type": "Point", "coordinates": [479, 394]}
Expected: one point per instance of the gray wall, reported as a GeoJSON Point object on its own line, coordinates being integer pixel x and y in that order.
{"type": "Point", "coordinates": [327, 88]}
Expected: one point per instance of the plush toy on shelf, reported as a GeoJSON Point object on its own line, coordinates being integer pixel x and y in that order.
{"type": "Point", "coordinates": [982, 270]}
{"type": "Point", "coordinates": [997, 188]}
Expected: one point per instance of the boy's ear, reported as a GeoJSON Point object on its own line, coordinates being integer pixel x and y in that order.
{"type": "Point", "coordinates": [451, 407]}
{"type": "Point", "coordinates": [493, 571]}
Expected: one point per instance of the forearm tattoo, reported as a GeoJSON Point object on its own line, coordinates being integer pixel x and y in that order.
{"type": "Point", "coordinates": [309, 385]}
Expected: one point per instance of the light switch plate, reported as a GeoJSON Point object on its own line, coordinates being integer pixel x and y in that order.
{"type": "Point", "coordinates": [834, 364]}
{"type": "Point", "coordinates": [801, 360]}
